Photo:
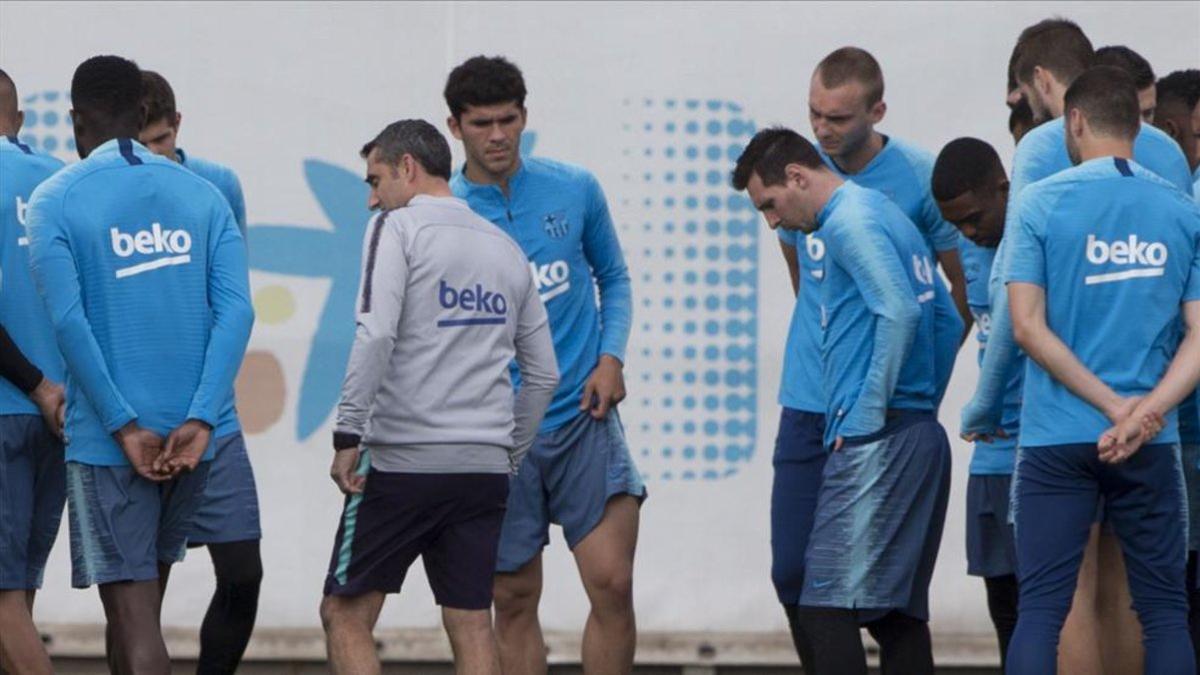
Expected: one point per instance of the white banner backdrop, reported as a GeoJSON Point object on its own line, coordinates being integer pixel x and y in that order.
{"type": "Point", "coordinates": [655, 99]}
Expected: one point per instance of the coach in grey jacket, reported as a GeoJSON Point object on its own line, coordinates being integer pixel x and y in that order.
{"type": "Point", "coordinates": [428, 429]}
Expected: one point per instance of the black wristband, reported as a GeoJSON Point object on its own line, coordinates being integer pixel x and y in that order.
{"type": "Point", "coordinates": [344, 441]}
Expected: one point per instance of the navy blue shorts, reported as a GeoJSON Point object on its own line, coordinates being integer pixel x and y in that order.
{"type": "Point", "coordinates": [879, 519]}
{"type": "Point", "coordinates": [451, 520]}
{"type": "Point", "coordinates": [1190, 453]}
{"type": "Point", "coordinates": [1055, 492]}
{"type": "Point", "coordinates": [799, 461]}
{"type": "Point", "coordinates": [124, 526]}
{"type": "Point", "coordinates": [991, 547]}
{"type": "Point", "coordinates": [32, 495]}
{"type": "Point", "coordinates": [567, 478]}
{"type": "Point", "coordinates": [228, 510]}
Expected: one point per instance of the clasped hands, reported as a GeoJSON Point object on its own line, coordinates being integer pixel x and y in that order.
{"type": "Point", "coordinates": [1133, 426]}
{"type": "Point", "coordinates": [157, 459]}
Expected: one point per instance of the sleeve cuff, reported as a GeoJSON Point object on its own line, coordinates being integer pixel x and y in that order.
{"type": "Point", "coordinates": [344, 440]}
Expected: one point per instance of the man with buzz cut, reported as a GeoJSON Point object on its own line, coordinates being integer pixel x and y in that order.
{"type": "Point", "coordinates": [882, 500]}
{"type": "Point", "coordinates": [1096, 245]}
{"type": "Point", "coordinates": [845, 104]}
{"type": "Point", "coordinates": [428, 430]}
{"type": "Point", "coordinates": [579, 472]}
{"type": "Point", "coordinates": [143, 271]}
{"type": "Point", "coordinates": [32, 477]}
{"type": "Point", "coordinates": [226, 520]}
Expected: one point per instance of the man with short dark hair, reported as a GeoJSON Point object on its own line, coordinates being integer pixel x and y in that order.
{"type": "Point", "coordinates": [1097, 244]}
{"type": "Point", "coordinates": [1178, 113]}
{"type": "Point", "coordinates": [873, 545]}
{"type": "Point", "coordinates": [226, 520]}
{"type": "Point", "coordinates": [428, 430]}
{"type": "Point", "coordinates": [32, 477]}
{"type": "Point", "coordinates": [1138, 68]}
{"type": "Point", "coordinates": [972, 192]}
{"type": "Point", "coordinates": [579, 472]}
{"type": "Point", "coordinates": [160, 133]}
{"type": "Point", "coordinates": [143, 271]}
{"type": "Point", "coordinates": [1047, 58]}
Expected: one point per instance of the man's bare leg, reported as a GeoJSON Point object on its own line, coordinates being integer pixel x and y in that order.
{"type": "Point", "coordinates": [21, 648]}
{"type": "Point", "coordinates": [136, 641]}
{"type": "Point", "coordinates": [349, 623]}
{"type": "Point", "coordinates": [518, 632]}
{"type": "Point", "coordinates": [605, 560]}
{"type": "Point", "coordinates": [1120, 631]}
{"type": "Point", "coordinates": [471, 638]}
{"type": "Point", "coordinates": [1078, 651]}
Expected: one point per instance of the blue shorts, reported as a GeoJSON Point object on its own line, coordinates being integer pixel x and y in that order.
{"type": "Point", "coordinates": [1190, 453]}
{"type": "Point", "coordinates": [32, 494]}
{"type": "Point", "coordinates": [228, 510]}
{"type": "Point", "coordinates": [991, 548]}
{"type": "Point", "coordinates": [123, 526]}
{"type": "Point", "coordinates": [879, 519]}
{"type": "Point", "coordinates": [799, 461]}
{"type": "Point", "coordinates": [1055, 492]}
{"type": "Point", "coordinates": [567, 478]}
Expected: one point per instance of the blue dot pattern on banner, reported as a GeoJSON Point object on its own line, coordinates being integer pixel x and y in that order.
{"type": "Point", "coordinates": [695, 417]}
{"type": "Point", "coordinates": [48, 124]}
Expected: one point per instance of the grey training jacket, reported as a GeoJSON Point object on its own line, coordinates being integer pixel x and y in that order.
{"type": "Point", "coordinates": [445, 303]}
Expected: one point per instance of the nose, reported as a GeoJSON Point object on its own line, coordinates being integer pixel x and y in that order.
{"type": "Point", "coordinates": [372, 201]}
{"type": "Point", "coordinates": [497, 135]}
{"type": "Point", "coordinates": [1013, 98]}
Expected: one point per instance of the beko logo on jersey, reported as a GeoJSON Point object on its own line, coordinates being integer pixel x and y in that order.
{"type": "Point", "coordinates": [923, 271]}
{"type": "Point", "coordinates": [1149, 257]}
{"type": "Point", "coordinates": [22, 209]}
{"type": "Point", "coordinates": [472, 299]}
{"type": "Point", "coordinates": [816, 253]}
{"type": "Point", "coordinates": [176, 244]}
{"type": "Point", "coordinates": [552, 279]}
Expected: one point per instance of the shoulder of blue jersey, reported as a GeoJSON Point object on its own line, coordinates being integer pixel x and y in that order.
{"type": "Point", "coordinates": [555, 169]}
{"type": "Point", "coordinates": [919, 159]}
{"type": "Point", "coordinates": [210, 170]}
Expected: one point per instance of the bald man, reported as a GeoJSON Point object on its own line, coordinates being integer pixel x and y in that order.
{"type": "Point", "coordinates": [32, 475]}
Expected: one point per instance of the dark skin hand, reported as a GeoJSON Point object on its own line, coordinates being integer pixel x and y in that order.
{"type": "Point", "coordinates": [142, 448]}
{"type": "Point", "coordinates": [344, 471]}
{"type": "Point", "coordinates": [184, 447]}
{"type": "Point", "coordinates": [605, 387]}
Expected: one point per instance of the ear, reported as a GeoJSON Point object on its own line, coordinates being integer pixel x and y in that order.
{"type": "Point", "coordinates": [411, 169]}
{"type": "Point", "coordinates": [1171, 129]}
{"type": "Point", "coordinates": [1002, 188]}
{"type": "Point", "coordinates": [178, 119]}
{"type": "Point", "coordinates": [455, 129]}
{"type": "Point", "coordinates": [796, 175]}
{"type": "Point", "coordinates": [20, 119]}
{"type": "Point", "coordinates": [1076, 122]}
{"type": "Point", "coordinates": [878, 111]}
{"type": "Point", "coordinates": [1043, 81]}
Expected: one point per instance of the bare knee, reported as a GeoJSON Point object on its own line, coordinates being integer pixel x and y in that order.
{"type": "Point", "coordinates": [611, 588]}
{"type": "Point", "coordinates": [517, 594]}
{"type": "Point", "coordinates": [466, 622]}
{"type": "Point", "coordinates": [339, 613]}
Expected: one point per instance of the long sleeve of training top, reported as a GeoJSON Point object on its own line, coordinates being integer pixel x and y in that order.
{"type": "Point", "coordinates": [603, 252]}
{"type": "Point", "coordinates": [14, 367]}
{"type": "Point", "coordinates": [57, 279]}
{"type": "Point", "coordinates": [877, 272]}
{"type": "Point", "coordinates": [232, 321]}
{"type": "Point", "coordinates": [377, 319]}
{"type": "Point", "coordinates": [948, 329]}
{"type": "Point", "coordinates": [539, 374]}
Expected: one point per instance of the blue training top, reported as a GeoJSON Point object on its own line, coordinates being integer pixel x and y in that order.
{"type": "Point", "coordinates": [1043, 153]}
{"type": "Point", "coordinates": [557, 213]}
{"type": "Point", "coordinates": [1117, 250]}
{"type": "Point", "coordinates": [998, 456]}
{"type": "Point", "coordinates": [800, 381]}
{"type": "Point", "coordinates": [144, 274]}
{"type": "Point", "coordinates": [224, 178]}
{"type": "Point", "coordinates": [879, 301]}
{"type": "Point", "coordinates": [21, 310]}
